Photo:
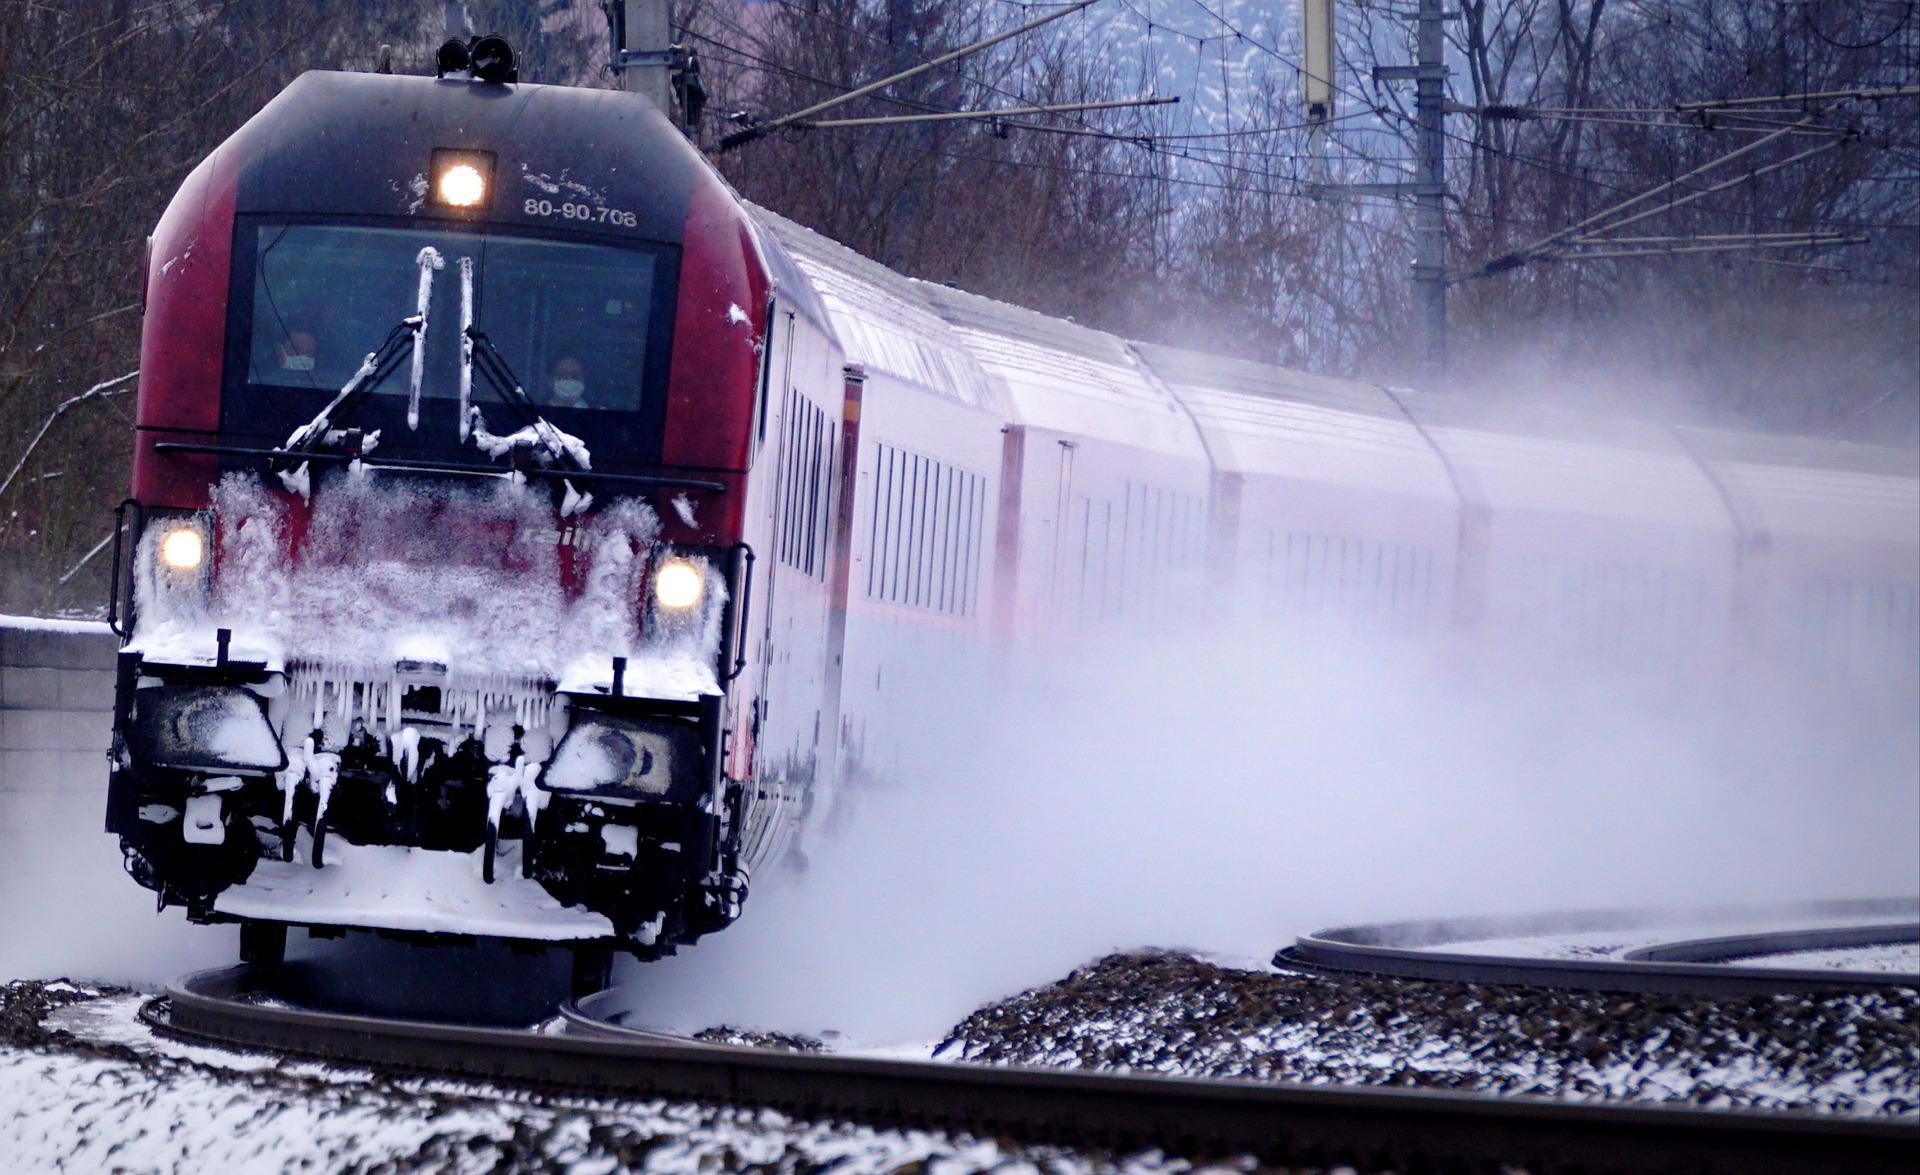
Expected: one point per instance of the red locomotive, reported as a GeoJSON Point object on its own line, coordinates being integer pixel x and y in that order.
{"type": "Point", "coordinates": [449, 516]}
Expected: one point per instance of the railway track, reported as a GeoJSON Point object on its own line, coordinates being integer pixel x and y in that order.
{"type": "Point", "coordinates": [1365, 1128]}
{"type": "Point", "coordinates": [1689, 965]}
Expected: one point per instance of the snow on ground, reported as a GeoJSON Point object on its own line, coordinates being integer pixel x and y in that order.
{"type": "Point", "coordinates": [1614, 942]}
{"type": "Point", "coordinates": [1855, 1053]}
{"type": "Point", "coordinates": [1897, 958]}
{"type": "Point", "coordinates": [42, 624]}
{"type": "Point", "coordinates": [111, 1096]}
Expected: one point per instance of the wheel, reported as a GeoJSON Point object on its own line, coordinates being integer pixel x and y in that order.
{"type": "Point", "coordinates": [592, 968]}
{"type": "Point", "coordinates": [263, 944]}
{"type": "Point", "coordinates": [319, 841]}
{"type": "Point", "coordinates": [493, 848]}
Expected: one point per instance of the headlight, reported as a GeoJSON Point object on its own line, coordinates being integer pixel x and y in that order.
{"type": "Point", "coordinates": [679, 584]}
{"type": "Point", "coordinates": [461, 178]}
{"type": "Point", "coordinates": [462, 186]}
{"type": "Point", "coordinates": [607, 757]}
{"type": "Point", "coordinates": [182, 549]}
{"type": "Point", "coordinates": [203, 728]}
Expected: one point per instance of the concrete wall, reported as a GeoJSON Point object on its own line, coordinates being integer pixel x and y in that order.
{"type": "Point", "coordinates": [56, 711]}
{"type": "Point", "coordinates": [66, 907]}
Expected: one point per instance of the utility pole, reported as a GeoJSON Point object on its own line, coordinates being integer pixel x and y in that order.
{"type": "Point", "coordinates": [1429, 184]}
{"type": "Point", "coordinates": [642, 48]}
{"type": "Point", "coordinates": [1430, 212]}
{"type": "Point", "coordinates": [1316, 78]}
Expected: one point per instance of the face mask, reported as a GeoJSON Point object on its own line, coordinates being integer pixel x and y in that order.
{"type": "Point", "coordinates": [296, 363]}
{"type": "Point", "coordinates": [569, 389]}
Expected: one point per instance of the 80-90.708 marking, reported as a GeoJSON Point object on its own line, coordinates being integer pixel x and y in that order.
{"type": "Point", "coordinates": [535, 206]}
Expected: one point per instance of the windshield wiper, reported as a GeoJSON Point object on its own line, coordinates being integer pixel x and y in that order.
{"type": "Point", "coordinates": [411, 330]}
{"type": "Point", "coordinates": [565, 450]}
{"type": "Point", "coordinates": [374, 368]}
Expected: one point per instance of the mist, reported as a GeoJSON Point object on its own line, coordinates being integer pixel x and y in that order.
{"type": "Point", "coordinates": [1219, 791]}
{"type": "Point", "coordinates": [68, 910]}
{"type": "Point", "coordinates": [1226, 791]}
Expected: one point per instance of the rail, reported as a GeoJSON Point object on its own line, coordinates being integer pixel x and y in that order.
{"type": "Point", "coordinates": [1368, 1128]}
{"type": "Point", "coordinates": [1418, 950]}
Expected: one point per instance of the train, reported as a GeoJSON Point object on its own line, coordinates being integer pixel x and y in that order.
{"type": "Point", "coordinates": [525, 529]}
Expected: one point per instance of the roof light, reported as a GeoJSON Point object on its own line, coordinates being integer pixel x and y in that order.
{"type": "Point", "coordinates": [453, 57]}
{"type": "Point", "coordinates": [492, 60]}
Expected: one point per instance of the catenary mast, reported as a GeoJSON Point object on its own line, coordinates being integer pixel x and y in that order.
{"type": "Point", "coordinates": [642, 49]}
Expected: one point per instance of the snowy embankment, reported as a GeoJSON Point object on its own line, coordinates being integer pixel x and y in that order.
{"type": "Point", "coordinates": [84, 1086]}
{"type": "Point", "coordinates": [1856, 1053]}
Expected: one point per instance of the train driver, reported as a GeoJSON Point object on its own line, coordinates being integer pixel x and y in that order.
{"type": "Point", "coordinates": [296, 352]}
{"type": "Point", "coordinates": [568, 383]}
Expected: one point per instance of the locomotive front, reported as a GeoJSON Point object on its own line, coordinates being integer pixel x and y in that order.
{"type": "Point", "coordinates": [434, 576]}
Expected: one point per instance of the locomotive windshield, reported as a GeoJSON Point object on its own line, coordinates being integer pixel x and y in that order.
{"type": "Point", "coordinates": [582, 324]}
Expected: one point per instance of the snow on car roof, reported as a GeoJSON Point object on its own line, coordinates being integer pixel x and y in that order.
{"type": "Point", "coordinates": [1273, 421]}
{"type": "Point", "coordinates": [1256, 418]}
{"type": "Point", "coordinates": [1803, 487]}
{"type": "Point", "coordinates": [1546, 461]}
{"type": "Point", "coordinates": [882, 321]}
{"type": "Point", "coordinates": [1060, 375]}
{"type": "Point", "coordinates": [790, 279]}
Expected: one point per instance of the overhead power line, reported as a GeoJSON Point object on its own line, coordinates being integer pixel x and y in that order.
{"type": "Point", "coordinates": [763, 64]}
{"type": "Point", "coordinates": [1003, 112]}
{"type": "Point", "coordinates": [1679, 245]}
{"type": "Point", "coordinates": [1860, 95]}
{"type": "Point", "coordinates": [813, 12]}
{"type": "Point", "coordinates": [1608, 219]}
{"type": "Point", "coordinates": [759, 130]}
{"type": "Point", "coordinates": [1749, 111]}
{"type": "Point", "coordinates": [1648, 120]}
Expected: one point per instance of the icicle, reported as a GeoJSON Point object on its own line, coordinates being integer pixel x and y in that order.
{"type": "Point", "coordinates": [406, 753]}
{"type": "Point", "coordinates": [298, 481]}
{"type": "Point", "coordinates": [503, 782]}
{"type": "Point", "coordinates": [575, 502]}
{"type": "Point", "coordinates": [324, 770]}
{"type": "Point", "coordinates": [466, 345]}
{"type": "Point", "coordinates": [291, 778]}
{"type": "Point", "coordinates": [428, 259]}
{"type": "Point", "coordinates": [531, 795]}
